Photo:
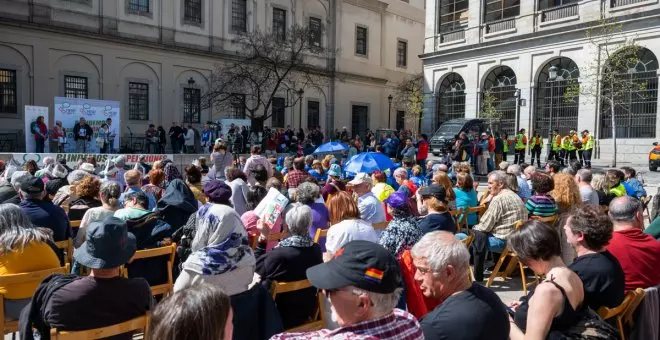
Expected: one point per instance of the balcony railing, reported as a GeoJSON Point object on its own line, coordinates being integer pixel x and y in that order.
{"type": "Point", "coordinates": [559, 12]}
{"type": "Point", "coordinates": [451, 36]}
{"type": "Point", "coordinates": [619, 3]}
{"type": "Point", "coordinates": [499, 26]}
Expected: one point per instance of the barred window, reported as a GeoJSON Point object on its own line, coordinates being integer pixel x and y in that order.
{"type": "Point", "coordinates": [361, 35]}
{"type": "Point", "coordinates": [138, 101]}
{"type": "Point", "coordinates": [501, 83]}
{"type": "Point", "coordinates": [279, 23]}
{"type": "Point", "coordinates": [75, 87]}
{"type": "Point", "coordinates": [453, 15]}
{"type": "Point", "coordinates": [239, 15]}
{"type": "Point", "coordinates": [401, 54]}
{"type": "Point", "coordinates": [237, 109]}
{"type": "Point", "coordinates": [546, 4]}
{"type": "Point", "coordinates": [450, 99]}
{"type": "Point", "coordinates": [192, 105]}
{"type": "Point", "coordinates": [313, 114]}
{"type": "Point", "coordinates": [501, 9]}
{"type": "Point", "coordinates": [192, 11]}
{"type": "Point", "coordinates": [141, 6]}
{"type": "Point", "coordinates": [315, 32]}
{"type": "Point", "coordinates": [278, 112]}
{"type": "Point", "coordinates": [8, 96]}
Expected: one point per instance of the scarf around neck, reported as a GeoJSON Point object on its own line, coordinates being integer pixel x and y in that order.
{"type": "Point", "coordinates": [296, 241]}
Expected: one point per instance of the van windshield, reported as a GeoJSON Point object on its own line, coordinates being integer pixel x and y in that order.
{"type": "Point", "coordinates": [449, 129]}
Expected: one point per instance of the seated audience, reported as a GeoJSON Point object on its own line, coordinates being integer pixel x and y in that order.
{"type": "Point", "coordinates": [346, 224]}
{"type": "Point", "coordinates": [498, 221]}
{"type": "Point", "coordinates": [255, 195]}
{"type": "Point", "coordinates": [589, 231]}
{"type": "Point", "coordinates": [109, 194]}
{"type": "Point", "coordinates": [237, 181]}
{"type": "Point", "coordinates": [589, 195]}
{"type": "Point", "coordinates": [156, 178]}
{"type": "Point", "coordinates": [87, 193]}
{"type": "Point", "coordinates": [402, 231]}
{"type": "Point", "coordinates": [7, 192]}
{"type": "Point", "coordinates": [289, 262]}
{"type": "Point", "coordinates": [334, 184]}
{"type": "Point", "coordinates": [466, 195]}
{"type": "Point", "coordinates": [432, 201]}
{"type": "Point", "coordinates": [405, 185]}
{"type": "Point", "coordinates": [308, 194]}
{"type": "Point", "coordinates": [615, 183]}
{"type": "Point", "coordinates": [631, 180]}
{"type": "Point", "coordinates": [23, 248]}
{"type": "Point", "coordinates": [295, 176]}
{"type": "Point", "coordinates": [363, 308]}
{"type": "Point", "coordinates": [177, 204]}
{"type": "Point", "coordinates": [64, 195]}
{"type": "Point", "coordinates": [566, 192]}
{"type": "Point", "coordinates": [541, 204]}
{"type": "Point", "coordinates": [133, 179]}
{"type": "Point", "coordinates": [381, 189]}
{"type": "Point", "coordinates": [220, 251]}
{"type": "Point", "coordinates": [638, 253]}
{"type": "Point", "coordinates": [524, 191]}
{"type": "Point", "coordinates": [441, 178]}
{"type": "Point", "coordinates": [601, 185]}
{"type": "Point", "coordinates": [552, 168]}
{"type": "Point", "coordinates": [417, 176]}
{"type": "Point", "coordinates": [442, 263]}
{"type": "Point", "coordinates": [200, 312]}
{"type": "Point", "coordinates": [56, 179]}
{"type": "Point", "coordinates": [317, 171]}
{"type": "Point", "coordinates": [43, 213]}
{"type": "Point", "coordinates": [193, 178]}
{"type": "Point", "coordinates": [371, 209]}
{"type": "Point", "coordinates": [135, 203]}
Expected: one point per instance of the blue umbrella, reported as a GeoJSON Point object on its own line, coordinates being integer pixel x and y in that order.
{"type": "Point", "coordinates": [331, 147]}
{"type": "Point", "coordinates": [368, 162]}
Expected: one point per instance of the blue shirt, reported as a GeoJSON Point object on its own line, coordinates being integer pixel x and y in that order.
{"type": "Point", "coordinates": [524, 191]}
{"type": "Point", "coordinates": [634, 188]}
{"type": "Point", "coordinates": [47, 215]}
{"type": "Point", "coordinates": [152, 199]}
{"type": "Point", "coordinates": [371, 209]}
{"type": "Point", "coordinates": [467, 199]}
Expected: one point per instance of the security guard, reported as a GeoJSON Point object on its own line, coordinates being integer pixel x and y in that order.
{"type": "Point", "coordinates": [521, 145]}
{"type": "Point", "coordinates": [573, 145]}
{"type": "Point", "coordinates": [587, 146]}
{"type": "Point", "coordinates": [555, 147]}
{"type": "Point", "coordinates": [505, 147]}
{"type": "Point", "coordinates": [536, 144]}
{"type": "Point", "coordinates": [565, 142]}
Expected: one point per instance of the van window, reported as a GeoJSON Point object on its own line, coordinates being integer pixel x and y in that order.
{"type": "Point", "coordinates": [449, 129]}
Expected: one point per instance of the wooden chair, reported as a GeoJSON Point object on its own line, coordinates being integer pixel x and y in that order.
{"type": "Point", "coordinates": [141, 323]}
{"type": "Point", "coordinates": [253, 240]}
{"type": "Point", "coordinates": [318, 320]}
{"type": "Point", "coordinates": [551, 220]}
{"type": "Point", "coordinates": [8, 281]}
{"type": "Point", "coordinates": [468, 242]}
{"type": "Point", "coordinates": [646, 200]}
{"type": "Point", "coordinates": [507, 253]}
{"type": "Point", "coordinates": [75, 223]}
{"type": "Point", "coordinates": [67, 247]}
{"type": "Point", "coordinates": [479, 210]}
{"type": "Point", "coordinates": [276, 237]}
{"type": "Point", "coordinates": [166, 288]}
{"type": "Point", "coordinates": [620, 312]}
{"type": "Point", "coordinates": [381, 225]}
{"type": "Point", "coordinates": [458, 216]}
{"type": "Point", "coordinates": [320, 233]}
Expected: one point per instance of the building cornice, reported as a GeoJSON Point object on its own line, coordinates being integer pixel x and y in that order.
{"type": "Point", "coordinates": [374, 5]}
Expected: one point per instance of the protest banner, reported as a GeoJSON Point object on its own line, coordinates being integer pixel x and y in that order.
{"type": "Point", "coordinates": [72, 159]}
{"type": "Point", "coordinates": [31, 114]}
{"type": "Point", "coordinates": [70, 110]}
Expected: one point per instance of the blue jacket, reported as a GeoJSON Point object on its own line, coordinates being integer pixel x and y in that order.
{"type": "Point", "coordinates": [636, 186]}
{"type": "Point", "coordinates": [46, 214]}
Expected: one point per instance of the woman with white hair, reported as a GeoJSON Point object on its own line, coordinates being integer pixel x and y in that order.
{"type": "Point", "coordinates": [47, 162]}
{"type": "Point", "coordinates": [288, 262]}
{"type": "Point", "coordinates": [405, 185]}
{"type": "Point", "coordinates": [64, 194]}
{"type": "Point", "coordinates": [308, 193]}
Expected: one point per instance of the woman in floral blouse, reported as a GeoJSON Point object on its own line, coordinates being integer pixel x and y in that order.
{"type": "Point", "coordinates": [402, 232]}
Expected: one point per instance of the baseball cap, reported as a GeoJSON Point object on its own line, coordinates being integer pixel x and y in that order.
{"type": "Point", "coordinates": [33, 185]}
{"type": "Point", "coordinates": [360, 178]}
{"type": "Point", "coordinates": [362, 264]}
{"type": "Point", "coordinates": [435, 190]}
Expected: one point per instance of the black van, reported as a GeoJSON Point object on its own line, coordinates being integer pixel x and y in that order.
{"type": "Point", "coordinates": [443, 138]}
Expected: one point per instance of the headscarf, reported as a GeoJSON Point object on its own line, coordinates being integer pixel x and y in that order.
{"type": "Point", "coordinates": [221, 244]}
{"type": "Point", "coordinates": [171, 173]}
{"type": "Point", "coordinates": [177, 204]}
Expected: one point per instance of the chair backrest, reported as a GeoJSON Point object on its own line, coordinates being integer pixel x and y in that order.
{"type": "Point", "coordinates": [75, 223]}
{"type": "Point", "coordinates": [458, 216]}
{"type": "Point", "coordinates": [67, 247]}
{"type": "Point", "coordinates": [551, 220]}
{"type": "Point", "coordinates": [133, 325]}
{"type": "Point", "coordinates": [468, 240]}
{"type": "Point", "coordinates": [480, 210]}
{"type": "Point", "coordinates": [10, 280]}
{"type": "Point", "coordinates": [518, 224]}
{"type": "Point", "coordinates": [278, 236]}
{"type": "Point", "coordinates": [638, 297]}
{"type": "Point", "coordinates": [320, 233]}
{"type": "Point", "coordinates": [380, 226]}
{"type": "Point", "coordinates": [318, 321]}
{"type": "Point", "coordinates": [165, 288]}
{"type": "Point", "coordinates": [608, 313]}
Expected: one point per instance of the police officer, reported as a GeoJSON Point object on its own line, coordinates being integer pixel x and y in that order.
{"type": "Point", "coordinates": [573, 145]}
{"type": "Point", "coordinates": [555, 147]}
{"type": "Point", "coordinates": [588, 146]}
{"type": "Point", "coordinates": [536, 144]}
{"type": "Point", "coordinates": [520, 145]}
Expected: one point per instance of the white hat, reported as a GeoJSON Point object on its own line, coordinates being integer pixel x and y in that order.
{"type": "Point", "coordinates": [87, 167]}
{"type": "Point", "coordinates": [361, 178]}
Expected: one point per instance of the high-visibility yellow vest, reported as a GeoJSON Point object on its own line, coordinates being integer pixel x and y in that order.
{"type": "Point", "coordinates": [520, 143]}
{"type": "Point", "coordinates": [565, 142]}
{"type": "Point", "coordinates": [537, 141]}
{"type": "Point", "coordinates": [571, 145]}
{"type": "Point", "coordinates": [506, 145]}
{"type": "Point", "coordinates": [589, 145]}
{"type": "Point", "coordinates": [618, 190]}
{"type": "Point", "coordinates": [556, 146]}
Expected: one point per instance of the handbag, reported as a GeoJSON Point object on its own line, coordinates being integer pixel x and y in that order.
{"type": "Point", "coordinates": [61, 140]}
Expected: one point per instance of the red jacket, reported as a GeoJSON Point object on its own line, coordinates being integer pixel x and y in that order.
{"type": "Point", "coordinates": [639, 255]}
{"type": "Point", "coordinates": [422, 150]}
{"type": "Point", "coordinates": [42, 128]}
{"type": "Point", "coordinates": [491, 144]}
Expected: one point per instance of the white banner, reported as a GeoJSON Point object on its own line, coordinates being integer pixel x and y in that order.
{"type": "Point", "coordinates": [226, 124]}
{"type": "Point", "coordinates": [31, 115]}
{"type": "Point", "coordinates": [70, 110]}
{"type": "Point", "coordinates": [72, 158]}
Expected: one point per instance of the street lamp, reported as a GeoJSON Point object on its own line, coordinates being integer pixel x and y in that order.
{"type": "Point", "coordinates": [300, 94]}
{"type": "Point", "coordinates": [552, 76]}
{"type": "Point", "coordinates": [389, 111]}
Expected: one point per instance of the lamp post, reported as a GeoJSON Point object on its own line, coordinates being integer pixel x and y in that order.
{"type": "Point", "coordinates": [552, 76]}
{"type": "Point", "coordinates": [300, 94]}
{"type": "Point", "coordinates": [389, 111]}
{"type": "Point", "coordinates": [191, 85]}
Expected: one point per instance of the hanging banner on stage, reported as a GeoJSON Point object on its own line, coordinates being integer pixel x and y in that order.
{"type": "Point", "coordinates": [31, 114]}
{"type": "Point", "coordinates": [72, 159]}
{"type": "Point", "coordinates": [96, 112]}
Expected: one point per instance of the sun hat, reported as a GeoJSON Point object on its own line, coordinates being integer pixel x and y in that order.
{"type": "Point", "coordinates": [335, 170]}
{"type": "Point", "coordinates": [217, 191]}
{"type": "Point", "coordinates": [397, 200]}
{"type": "Point", "coordinates": [360, 178]}
{"type": "Point", "coordinates": [87, 167]}
{"type": "Point", "coordinates": [108, 245]}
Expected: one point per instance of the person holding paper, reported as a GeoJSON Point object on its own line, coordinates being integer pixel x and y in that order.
{"type": "Point", "coordinates": [40, 132]}
{"type": "Point", "coordinates": [82, 134]}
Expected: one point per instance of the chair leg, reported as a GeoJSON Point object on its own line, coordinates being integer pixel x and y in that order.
{"type": "Point", "coordinates": [523, 277]}
{"type": "Point", "coordinates": [619, 323]}
{"type": "Point", "coordinates": [510, 267]}
{"type": "Point", "coordinates": [496, 270]}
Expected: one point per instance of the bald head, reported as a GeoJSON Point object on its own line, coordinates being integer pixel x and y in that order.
{"type": "Point", "coordinates": [626, 210]}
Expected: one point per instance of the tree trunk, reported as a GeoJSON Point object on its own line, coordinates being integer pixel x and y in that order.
{"type": "Point", "coordinates": [613, 133]}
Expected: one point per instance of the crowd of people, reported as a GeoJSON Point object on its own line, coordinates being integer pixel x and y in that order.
{"type": "Point", "coordinates": [393, 246]}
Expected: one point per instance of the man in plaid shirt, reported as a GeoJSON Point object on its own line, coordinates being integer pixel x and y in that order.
{"type": "Point", "coordinates": [296, 176]}
{"type": "Point", "coordinates": [363, 285]}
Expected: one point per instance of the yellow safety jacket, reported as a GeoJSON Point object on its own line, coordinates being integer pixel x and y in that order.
{"type": "Point", "coordinates": [537, 141]}
{"type": "Point", "coordinates": [556, 145]}
{"type": "Point", "coordinates": [521, 141]}
{"type": "Point", "coordinates": [505, 145]}
{"type": "Point", "coordinates": [589, 144]}
{"type": "Point", "coordinates": [571, 144]}
{"type": "Point", "coordinates": [565, 142]}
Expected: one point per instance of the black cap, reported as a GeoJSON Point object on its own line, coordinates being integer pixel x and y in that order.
{"type": "Point", "coordinates": [362, 264]}
{"type": "Point", "coordinates": [33, 185]}
{"type": "Point", "coordinates": [435, 190]}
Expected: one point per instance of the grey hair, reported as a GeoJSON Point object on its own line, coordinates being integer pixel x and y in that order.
{"type": "Point", "coordinates": [227, 170]}
{"type": "Point", "coordinates": [514, 169]}
{"type": "Point", "coordinates": [529, 170]}
{"type": "Point", "coordinates": [503, 166]}
{"type": "Point", "coordinates": [76, 176]}
{"type": "Point", "coordinates": [382, 304]}
{"type": "Point", "coordinates": [440, 249]}
{"type": "Point", "coordinates": [299, 219]}
{"type": "Point", "coordinates": [511, 183]}
{"type": "Point", "coordinates": [9, 171]}
{"type": "Point", "coordinates": [585, 175]}
{"type": "Point", "coordinates": [599, 182]}
{"type": "Point", "coordinates": [18, 178]}
{"type": "Point", "coordinates": [309, 159]}
{"type": "Point", "coordinates": [307, 192]}
{"type": "Point", "coordinates": [110, 192]}
{"type": "Point", "coordinates": [624, 209]}
{"type": "Point", "coordinates": [498, 175]}
{"type": "Point", "coordinates": [401, 172]}
{"type": "Point", "coordinates": [48, 161]}
{"type": "Point", "coordinates": [16, 230]}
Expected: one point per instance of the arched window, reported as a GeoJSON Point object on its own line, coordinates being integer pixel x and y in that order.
{"type": "Point", "coordinates": [501, 85]}
{"type": "Point", "coordinates": [555, 108]}
{"type": "Point", "coordinates": [451, 99]}
{"type": "Point", "coordinates": [636, 107]}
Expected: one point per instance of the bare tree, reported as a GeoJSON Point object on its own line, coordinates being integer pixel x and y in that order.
{"type": "Point", "coordinates": [409, 93]}
{"type": "Point", "coordinates": [489, 109]}
{"type": "Point", "coordinates": [610, 77]}
{"type": "Point", "coordinates": [268, 64]}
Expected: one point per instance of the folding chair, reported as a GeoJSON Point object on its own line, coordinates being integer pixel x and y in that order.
{"type": "Point", "coordinates": [381, 225]}
{"type": "Point", "coordinates": [320, 233]}
{"type": "Point", "coordinates": [162, 289]}
{"type": "Point", "coordinates": [646, 200]}
{"type": "Point", "coordinates": [479, 210]}
{"type": "Point", "coordinates": [67, 247]}
{"type": "Point", "coordinates": [133, 325]}
{"type": "Point", "coordinates": [8, 281]}
{"type": "Point", "coordinates": [317, 321]}
{"type": "Point", "coordinates": [458, 216]}
{"type": "Point", "coordinates": [620, 312]}
{"type": "Point", "coordinates": [551, 220]}
{"type": "Point", "coordinates": [507, 253]}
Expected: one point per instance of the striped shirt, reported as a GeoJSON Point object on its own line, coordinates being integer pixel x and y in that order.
{"type": "Point", "coordinates": [503, 211]}
{"type": "Point", "coordinates": [541, 205]}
